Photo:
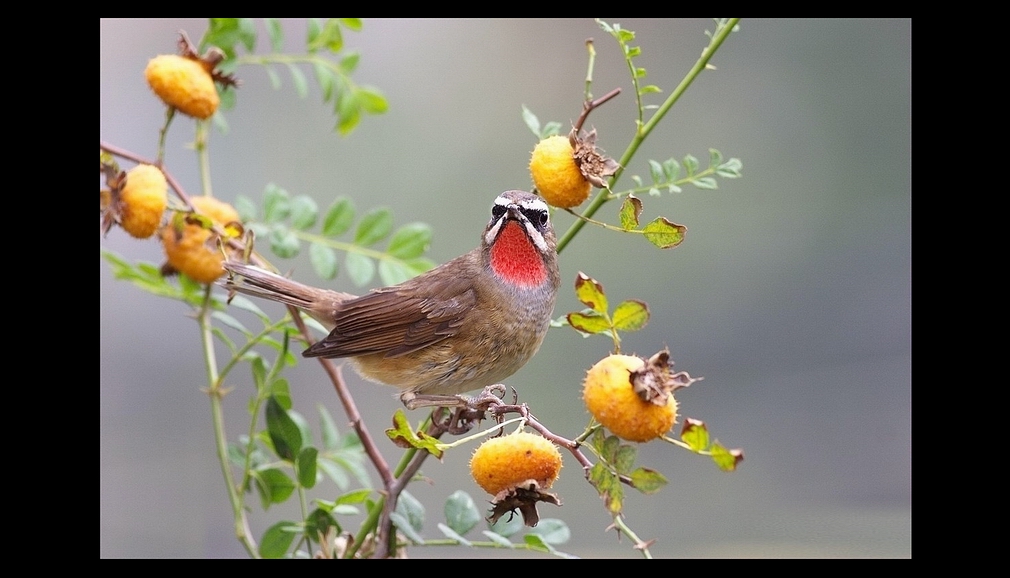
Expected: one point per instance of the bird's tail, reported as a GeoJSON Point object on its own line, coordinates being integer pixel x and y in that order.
{"type": "Point", "coordinates": [250, 280]}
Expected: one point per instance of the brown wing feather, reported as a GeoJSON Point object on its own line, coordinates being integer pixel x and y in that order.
{"type": "Point", "coordinates": [399, 320]}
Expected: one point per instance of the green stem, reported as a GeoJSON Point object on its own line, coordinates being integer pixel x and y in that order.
{"type": "Point", "coordinates": [216, 393]}
{"type": "Point", "coordinates": [604, 195]}
{"type": "Point", "coordinates": [203, 155]}
{"type": "Point", "coordinates": [639, 544]}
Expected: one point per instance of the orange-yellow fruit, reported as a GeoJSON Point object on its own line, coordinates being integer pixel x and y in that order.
{"type": "Point", "coordinates": [503, 462]}
{"type": "Point", "coordinates": [142, 201]}
{"type": "Point", "coordinates": [555, 174]}
{"type": "Point", "coordinates": [183, 83]}
{"type": "Point", "coordinates": [188, 252]}
{"type": "Point", "coordinates": [610, 396]}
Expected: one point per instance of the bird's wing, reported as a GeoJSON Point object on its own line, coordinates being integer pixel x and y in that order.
{"type": "Point", "coordinates": [398, 320]}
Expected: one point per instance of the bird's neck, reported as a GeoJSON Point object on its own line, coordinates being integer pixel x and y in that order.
{"type": "Point", "coordinates": [514, 258]}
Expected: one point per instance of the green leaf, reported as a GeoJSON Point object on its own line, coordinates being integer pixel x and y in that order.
{"type": "Point", "coordinates": [590, 293]}
{"type": "Point", "coordinates": [631, 210]}
{"type": "Point", "coordinates": [726, 459]}
{"type": "Point", "coordinates": [325, 78]}
{"type": "Point", "coordinates": [304, 212]}
{"type": "Point", "coordinates": [277, 539]}
{"type": "Point", "coordinates": [412, 509]}
{"type": "Point", "coordinates": [275, 81]}
{"type": "Point", "coordinates": [590, 322]}
{"type": "Point", "coordinates": [355, 497]}
{"type": "Point", "coordinates": [403, 524]}
{"type": "Point", "coordinates": [306, 466]}
{"type": "Point", "coordinates": [695, 434]}
{"type": "Point", "coordinates": [531, 120]}
{"type": "Point", "coordinates": [552, 531]}
{"type": "Point", "coordinates": [461, 513]}
{"type": "Point", "coordinates": [647, 481]}
{"type": "Point", "coordinates": [714, 158]}
{"type": "Point", "coordinates": [229, 321]}
{"type": "Point", "coordinates": [507, 526]}
{"type": "Point", "coordinates": [656, 170]}
{"type": "Point", "coordinates": [393, 272]}
{"type": "Point", "coordinates": [374, 226]}
{"type": "Point", "coordinates": [691, 164]}
{"type": "Point", "coordinates": [410, 241]}
{"type": "Point", "coordinates": [730, 169]}
{"type": "Point", "coordinates": [283, 242]}
{"type": "Point", "coordinates": [284, 432]}
{"type": "Point", "coordinates": [274, 486]}
{"type": "Point", "coordinates": [318, 523]}
{"type": "Point", "coordinates": [630, 315]}
{"type": "Point", "coordinates": [360, 268]}
{"type": "Point", "coordinates": [707, 183]}
{"type": "Point", "coordinates": [625, 458]}
{"type": "Point", "coordinates": [276, 34]}
{"type": "Point", "coordinates": [334, 471]}
{"type": "Point", "coordinates": [349, 62]}
{"type": "Point", "coordinates": [536, 543]}
{"type": "Point", "coordinates": [404, 436]}
{"type": "Point", "coordinates": [330, 433]}
{"type": "Point", "coordinates": [354, 24]}
{"type": "Point", "coordinates": [610, 446]}
{"type": "Point", "coordinates": [298, 78]}
{"type": "Point", "coordinates": [453, 535]}
{"type": "Point", "coordinates": [372, 100]}
{"type": "Point", "coordinates": [280, 389]}
{"type": "Point", "coordinates": [328, 37]}
{"type": "Point", "coordinates": [550, 129]}
{"type": "Point", "coordinates": [276, 204]}
{"type": "Point", "coordinates": [324, 260]}
{"type": "Point", "coordinates": [339, 217]}
{"type": "Point", "coordinates": [245, 208]}
{"type": "Point", "coordinates": [649, 89]}
{"type": "Point", "coordinates": [498, 538]}
{"type": "Point", "coordinates": [671, 168]}
{"type": "Point", "coordinates": [664, 233]}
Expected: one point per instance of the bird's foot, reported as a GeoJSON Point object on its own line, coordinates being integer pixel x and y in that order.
{"type": "Point", "coordinates": [467, 411]}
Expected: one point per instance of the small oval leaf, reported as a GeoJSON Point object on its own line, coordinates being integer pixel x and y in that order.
{"type": "Point", "coordinates": [374, 227]}
{"type": "Point", "coordinates": [339, 217]}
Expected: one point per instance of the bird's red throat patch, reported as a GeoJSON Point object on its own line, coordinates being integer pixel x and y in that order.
{"type": "Point", "coordinates": [515, 259]}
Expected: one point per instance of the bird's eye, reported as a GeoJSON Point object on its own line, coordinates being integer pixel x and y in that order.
{"type": "Point", "coordinates": [536, 216]}
{"type": "Point", "coordinates": [497, 211]}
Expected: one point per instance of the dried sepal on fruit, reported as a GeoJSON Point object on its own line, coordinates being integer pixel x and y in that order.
{"type": "Point", "coordinates": [190, 244]}
{"type": "Point", "coordinates": [186, 82]}
{"type": "Point", "coordinates": [633, 397]}
{"type": "Point", "coordinates": [517, 469]}
{"type": "Point", "coordinates": [564, 169]}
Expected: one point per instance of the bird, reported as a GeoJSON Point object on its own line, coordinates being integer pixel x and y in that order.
{"type": "Point", "coordinates": [464, 325]}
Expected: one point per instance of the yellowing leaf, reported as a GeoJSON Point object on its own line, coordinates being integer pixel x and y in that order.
{"type": "Point", "coordinates": [591, 322]}
{"type": "Point", "coordinates": [631, 315]}
{"type": "Point", "coordinates": [664, 233]}
{"type": "Point", "coordinates": [590, 293]}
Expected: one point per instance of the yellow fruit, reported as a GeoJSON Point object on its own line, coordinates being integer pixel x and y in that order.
{"type": "Point", "coordinates": [610, 395]}
{"type": "Point", "coordinates": [142, 201]}
{"type": "Point", "coordinates": [503, 462]}
{"type": "Point", "coordinates": [556, 175]}
{"type": "Point", "coordinates": [183, 83]}
{"type": "Point", "coordinates": [188, 251]}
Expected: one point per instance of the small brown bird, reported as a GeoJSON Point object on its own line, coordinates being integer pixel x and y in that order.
{"type": "Point", "coordinates": [462, 326]}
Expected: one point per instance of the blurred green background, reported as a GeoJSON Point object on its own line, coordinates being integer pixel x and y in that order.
{"type": "Point", "coordinates": [791, 294]}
